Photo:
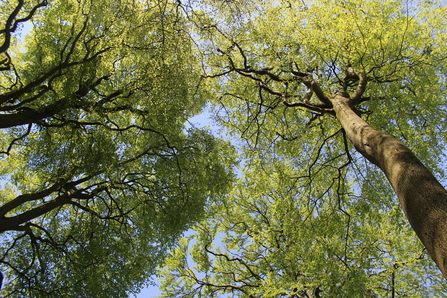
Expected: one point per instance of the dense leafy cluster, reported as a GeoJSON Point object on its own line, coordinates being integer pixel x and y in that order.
{"type": "Point", "coordinates": [102, 172]}
{"type": "Point", "coordinates": [310, 217]}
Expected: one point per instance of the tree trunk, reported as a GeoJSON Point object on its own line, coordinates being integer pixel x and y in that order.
{"type": "Point", "coordinates": [422, 197]}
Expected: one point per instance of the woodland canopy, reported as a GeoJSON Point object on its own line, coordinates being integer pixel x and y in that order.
{"type": "Point", "coordinates": [323, 174]}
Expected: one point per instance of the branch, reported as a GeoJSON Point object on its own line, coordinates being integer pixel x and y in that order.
{"type": "Point", "coordinates": [247, 70]}
{"type": "Point", "coordinates": [356, 98]}
{"type": "Point", "coordinates": [313, 85]}
{"type": "Point", "coordinates": [317, 108]}
{"type": "Point", "coordinates": [29, 116]}
{"type": "Point", "coordinates": [9, 27]}
{"type": "Point", "coordinates": [7, 31]}
{"type": "Point", "coordinates": [11, 223]}
{"type": "Point", "coordinates": [85, 88]}
{"type": "Point", "coordinates": [239, 260]}
{"type": "Point", "coordinates": [17, 139]}
{"type": "Point", "coordinates": [52, 73]}
{"type": "Point", "coordinates": [8, 223]}
{"type": "Point", "coordinates": [6, 62]}
{"type": "Point", "coordinates": [22, 199]}
{"type": "Point", "coordinates": [121, 215]}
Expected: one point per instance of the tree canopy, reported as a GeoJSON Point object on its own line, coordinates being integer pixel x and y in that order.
{"type": "Point", "coordinates": [101, 170]}
{"type": "Point", "coordinates": [310, 216]}
{"type": "Point", "coordinates": [103, 174]}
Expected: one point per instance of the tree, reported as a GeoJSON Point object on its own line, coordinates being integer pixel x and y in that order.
{"type": "Point", "coordinates": [101, 173]}
{"type": "Point", "coordinates": [309, 216]}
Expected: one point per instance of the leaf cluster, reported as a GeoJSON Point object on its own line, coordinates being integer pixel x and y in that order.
{"type": "Point", "coordinates": [309, 216]}
{"type": "Point", "coordinates": [101, 173]}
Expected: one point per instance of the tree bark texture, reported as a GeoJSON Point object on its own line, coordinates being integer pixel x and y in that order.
{"type": "Point", "coordinates": [422, 197]}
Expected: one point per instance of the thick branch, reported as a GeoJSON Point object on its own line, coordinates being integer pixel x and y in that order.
{"type": "Point", "coordinates": [22, 199]}
{"type": "Point", "coordinates": [317, 108]}
{"type": "Point", "coordinates": [55, 71]}
{"type": "Point", "coordinates": [8, 27]}
{"type": "Point", "coordinates": [11, 223]}
{"type": "Point", "coordinates": [313, 85]}
{"type": "Point", "coordinates": [26, 117]}
{"type": "Point", "coordinates": [71, 193]}
{"type": "Point", "coordinates": [361, 86]}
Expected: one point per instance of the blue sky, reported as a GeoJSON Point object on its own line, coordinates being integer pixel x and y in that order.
{"type": "Point", "coordinates": [200, 121]}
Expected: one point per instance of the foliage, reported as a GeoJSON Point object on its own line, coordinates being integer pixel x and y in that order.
{"type": "Point", "coordinates": [272, 238]}
{"type": "Point", "coordinates": [309, 216]}
{"type": "Point", "coordinates": [101, 173]}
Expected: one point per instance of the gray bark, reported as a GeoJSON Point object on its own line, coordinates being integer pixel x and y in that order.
{"type": "Point", "coordinates": [422, 197]}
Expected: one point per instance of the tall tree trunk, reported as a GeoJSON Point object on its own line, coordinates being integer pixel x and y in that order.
{"type": "Point", "coordinates": [422, 197]}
